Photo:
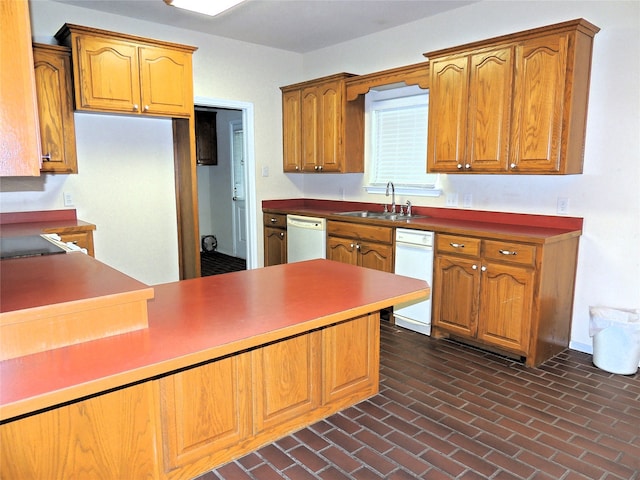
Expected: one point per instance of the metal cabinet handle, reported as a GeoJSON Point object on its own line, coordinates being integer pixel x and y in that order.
{"type": "Point", "coordinates": [357, 246]}
{"type": "Point", "coordinates": [467, 166]}
{"type": "Point", "coordinates": [459, 166]}
{"type": "Point", "coordinates": [508, 252]}
{"type": "Point", "coordinates": [135, 107]}
{"type": "Point", "coordinates": [281, 234]}
{"type": "Point", "coordinates": [474, 267]}
{"type": "Point", "coordinates": [47, 157]}
{"type": "Point", "coordinates": [352, 245]}
{"type": "Point", "coordinates": [146, 108]}
{"type": "Point", "coordinates": [513, 165]}
{"type": "Point", "coordinates": [273, 220]}
{"type": "Point", "coordinates": [483, 268]}
{"type": "Point", "coordinates": [456, 245]}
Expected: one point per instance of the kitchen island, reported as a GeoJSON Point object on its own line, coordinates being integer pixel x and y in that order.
{"type": "Point", "coordinates": [226, 364]}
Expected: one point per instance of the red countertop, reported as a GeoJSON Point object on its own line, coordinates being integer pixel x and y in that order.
{"type": "Point", "coordinates": [487, 224]}
{"type": "Point", "coordinates": [16, 224]}
{"type": "Point", "coordinates": [201, 319]}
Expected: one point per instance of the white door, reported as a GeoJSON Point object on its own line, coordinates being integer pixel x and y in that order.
{"type": "Point", "coordinates": [238, 187]}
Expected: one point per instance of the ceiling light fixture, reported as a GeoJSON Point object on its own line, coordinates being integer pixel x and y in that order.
{"type": "Point", "coordinates": [206, 7]}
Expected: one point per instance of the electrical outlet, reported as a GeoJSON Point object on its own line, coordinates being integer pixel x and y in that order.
{"type": "Point", "coordinates": [452, 200]}
{"type": "Point", "coordinates": [68, 199]}
{"type": "Point", "coordinates": [467, 200]}
{"type": "Point", "coordinates": [563, 205]}
{"type": "Point", "coordinates": [265, 171]}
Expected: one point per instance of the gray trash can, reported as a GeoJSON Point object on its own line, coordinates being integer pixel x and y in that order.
{"type": "Point", "coordinates": [616, 339]}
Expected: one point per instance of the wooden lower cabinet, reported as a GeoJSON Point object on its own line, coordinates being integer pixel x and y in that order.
{"type": "Point", "coordinates": [363, 245]}
{"type": "Point", "coordinates": [204, 410]}
{"type": "Point", "coordinates": [114, 435]}
{"type": "Point", "coordinates": [80, 236]}
{"type": "Point", "coordinates": [505, 295]}
{"type": "Point", "coordinates": [190, 421]}
{"type": "Point", "coordinates": [275, 239]}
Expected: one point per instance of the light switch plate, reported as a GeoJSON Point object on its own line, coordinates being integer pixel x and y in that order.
{"type": "Point", "coordinates": [68, 199]}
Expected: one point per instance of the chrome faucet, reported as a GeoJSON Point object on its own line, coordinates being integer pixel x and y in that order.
{"type": "Point", "coordinates": [393, 196]}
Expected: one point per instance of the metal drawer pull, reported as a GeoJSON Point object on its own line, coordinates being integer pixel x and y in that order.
{"type": "Point", "coordinates": [456, 245]}
{"type": "Point", "coordinates": [507, 252]}
{"type": "Point", "coordinates": [47, 157]}
{"type": "Point", "coordinates": [273, 220]}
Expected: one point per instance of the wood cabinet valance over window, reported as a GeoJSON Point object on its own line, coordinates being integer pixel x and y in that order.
{"type": "Point", "coordinates": [512, 104]}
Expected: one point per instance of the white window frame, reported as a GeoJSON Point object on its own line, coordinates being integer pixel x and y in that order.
{"type": "Point", "coordinates": [380, 99]}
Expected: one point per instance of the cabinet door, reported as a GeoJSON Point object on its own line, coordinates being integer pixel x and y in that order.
{"type": "Point", "coordinates": [275, 246]}
{"type": "Point", "coordinates": [20, 152]}
{"type": "Point", "coordinates": [538, 105]}
{"type": "Point", "coordinates": [291, 130]}
{"type": "Point", "coordinates": [107, 75]}
{"type": "Point", "coordinates": [310, 129]}
{"type": "Point", "coordinates": [376, 256]}
{"type": "Point", "coordinates": [330, 124]}
{"type": "Point", "coordinates": [489, 111]}
{"type": "Point", "coordinates": [350, 359]}
{"type": "Point", "coordinates": [448, 101]}
{"type": "Point", "coordinates": [206, 138]}
{"type": "Point", "coordinates": [113, 435]}
{"type": "Point", "coordinates": [55, 109]}
{"type": "Point", "coordinates": [506, 298]}
{"type": "Point", "coordinates": [166, 81]}
{"type": "Point", "coordinates": [205, 410]}
{"type": "Point", "coordinates": [342, 250]}
{"type": "Point", "coordinates": [456, 287]}
{"type": "Point", "coordinates": [285, 377]}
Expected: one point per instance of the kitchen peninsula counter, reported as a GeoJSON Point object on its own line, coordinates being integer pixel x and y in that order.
{"type": "Point", "coordinates": [255, 341]}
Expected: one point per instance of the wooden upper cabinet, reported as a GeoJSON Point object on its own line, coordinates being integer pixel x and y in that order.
{"type": "Point", "coordinates": [19, 132]}
{"type": "Point", "coordinates": [206, 137]}
{"type": "Point", "coordinates": [55, 108]}
{"type": "Point", "coordinates": [448, 99]}
{"type": "Point", "coordinates": [538, 110]}
{"type": "Point", "coordinates": [121, 73]}
{"type": "Point", "coordinates": [512, 104]}
{"type": "Point", "coordinates": [322, 132]}
{"type": "Point", "coordinates": [292, 130]}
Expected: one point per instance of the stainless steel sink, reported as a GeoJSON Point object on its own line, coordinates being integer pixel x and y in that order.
{"type": "Point", "coordinates": [379, 215]}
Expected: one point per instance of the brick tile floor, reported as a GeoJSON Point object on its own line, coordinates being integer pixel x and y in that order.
{"type": "Point", "coordinates": [447, 411]}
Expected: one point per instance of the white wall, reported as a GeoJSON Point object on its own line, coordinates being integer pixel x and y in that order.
{"type": "Point", "coordinates": [606, 195]}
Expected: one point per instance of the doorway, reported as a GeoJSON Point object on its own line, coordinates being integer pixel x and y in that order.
{"type": "Point", "coordinates": [226, 191]}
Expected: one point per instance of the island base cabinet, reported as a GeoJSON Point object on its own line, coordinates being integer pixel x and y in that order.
{"type": "Point", "coordinates": [182, 424]}
{"type": "Point", "coordinates": [204, 414]}
{"type": "Point", "coordinates": [112, 435]}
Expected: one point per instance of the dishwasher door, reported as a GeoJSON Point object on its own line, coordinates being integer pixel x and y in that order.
{"type": "Point", "coordinates": [414, 258]}
{"type": "Point", "coordinates": [306, 238]}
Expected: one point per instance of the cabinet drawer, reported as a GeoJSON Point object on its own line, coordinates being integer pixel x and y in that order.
{"type": "Point", "coordinates": [467, 246]}
{"type": "Point", "coordinates": [275, 219]}
{"type": "Point", "coordinates": [509, 252]}
{"type": "Point", "coordinates": [360, 232]}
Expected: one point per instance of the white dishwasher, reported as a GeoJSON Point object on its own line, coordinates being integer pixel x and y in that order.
{"type": "Point", "coordinates": [414, 258]}
{"type": "Point", "coordinates": [306, 238]}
